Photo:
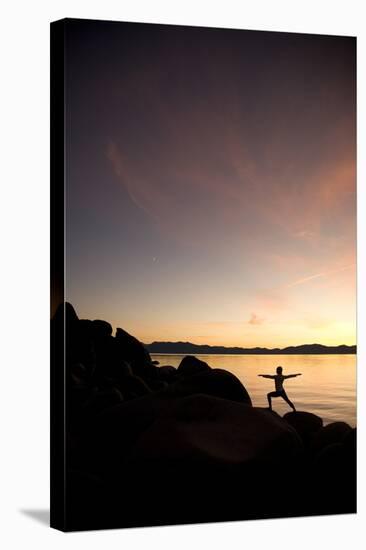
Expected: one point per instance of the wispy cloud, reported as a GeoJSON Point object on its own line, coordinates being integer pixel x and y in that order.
{"type": "Point", "coordinates": [306, 279]}
{"type": "Point", "coordinates": [318, 275]}
{"type": "Point", "coordinates": [141, 192]}
{"type": "Point", "coordinates": [304, 234]}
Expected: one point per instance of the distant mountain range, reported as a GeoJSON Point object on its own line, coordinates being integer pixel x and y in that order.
{"type": "Point", "coordinates": [188, 349]}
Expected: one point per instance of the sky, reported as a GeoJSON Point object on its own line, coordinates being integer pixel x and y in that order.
{"type": "Point", "coordinates": [211, 183]}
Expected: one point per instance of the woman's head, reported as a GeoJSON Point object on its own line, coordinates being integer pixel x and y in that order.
{"type": "Point", "coordinates": [279, 370]}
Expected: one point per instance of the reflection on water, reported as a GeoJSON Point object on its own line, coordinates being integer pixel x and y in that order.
{"type": "Point", "coordinates": [327, 386]}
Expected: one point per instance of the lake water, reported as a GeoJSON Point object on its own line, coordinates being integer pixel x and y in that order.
{"type": "Point", "coordinates": [327, 386]}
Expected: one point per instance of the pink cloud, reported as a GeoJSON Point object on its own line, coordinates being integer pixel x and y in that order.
{"type": "Point", "coordinates": [256, 320]}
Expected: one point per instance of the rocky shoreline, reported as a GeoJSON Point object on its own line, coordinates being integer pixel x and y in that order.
{"type": "Point", "coordinates": [157, 445]}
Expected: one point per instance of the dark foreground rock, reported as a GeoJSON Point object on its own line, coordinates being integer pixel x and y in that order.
{"type": "Point", "coordinates": [334, 472]}
{"type": "Point", "coordinates": [198, 449]}
{"type": "Point", "coordinates": [331, 434]}
{"type": "Point", "coordinates": [209, 430]}
{"type": "Point", "coordinates": [167, 373]}
{"type": "Point", "coordinates": [306, 424]}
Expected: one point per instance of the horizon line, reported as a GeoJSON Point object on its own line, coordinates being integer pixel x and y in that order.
{"type": "Point", "coordinates": [243, 347]}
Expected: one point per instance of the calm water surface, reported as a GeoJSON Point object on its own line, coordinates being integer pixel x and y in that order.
{"type": "Point", "coordinates": [327, 386]}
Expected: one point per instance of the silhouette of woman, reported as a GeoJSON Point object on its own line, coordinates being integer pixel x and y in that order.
{"type": "Point", "coordinates": [279, 379]}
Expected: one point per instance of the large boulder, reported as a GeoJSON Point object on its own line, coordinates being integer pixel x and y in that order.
{"type": "Point", "coordinates": [131, 350]}
{"type": "Point", "coordinates": [158, 428]}
{"type": "Point", "coordinates": [306, 424]}
{"type": "Point", "coordinates": [215, 382]}
{"type": "Point", "coordinates": [334, 477]}
{"type": "Point", "coordinates": [213, 453]}
{"type": "Point", "coordinates": [134, 386]}
{"type": "Point", "coordinates": [190, 365]}
{"type": "Point", "coordinates": [205, 429]}
{"type": "Point", "coordinates": [101, 329]}
{"type": "Point", "coordinates": [71, 340]}
{"type": "Point", "coordinates": [167, 373]}
{"type": "Point", "coordinates": [109, 436]}
{"type": "Point", "coordinates": [330, 434]}
{"type": "Point", "coordinates": [65, 313]}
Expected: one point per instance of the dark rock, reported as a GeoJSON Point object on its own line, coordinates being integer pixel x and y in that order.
{"type": "Point", "coordinates": [167, 373]}
{"type": "Point", "coordinates": [80, 359]}
{"type": "Point", "coordinates": [306, 424]}
{"type": "Point", "coordinates": [107, 360]}
{"type": "Point", "coordinates": [102, 400]}
{"type": "Point", "coordinates": [168, 370]}
{"type": "Point", "coordinates": [134, 386]}
{"type": "Point", "coordinates": [215, 382]}
{"type": "Point", "coordinates": [334, 478]}
{"type": "Point", "coordinates": [190, 365]}
{"type": "Point", "coordinates": [110, 435]}
{"type": "Point", "coordinates": [330, 434]}
{"type": "Point", "coordinates": [101, 329]}
{"type": "Point", "coordinates": [85, 403]}
{"type": "Point", "coordinates": [114, 370]}
{"type": "Point", "coordinates": [79, 374]}
{"type": "Point", "coordinates": [86, 328]}
{"type": "Point", "coordinates": [65, 312]}
{"type": "Point", "coordinates": [65, 322]}
{"type": "Point", "coordinates": [123, 370]}
{"type": "Point", "coordinates": [205, 429]}
{"type": "Point", "coordinates": [329, 458]}
{"type": "Point", "coordinates": [349, 441]}
{"type": "Point", "coordinates": [81, 351]}
{"type": "Point", "coordinates": [157, 433]}
{"type": "Point", "coordinates": [131, 350]}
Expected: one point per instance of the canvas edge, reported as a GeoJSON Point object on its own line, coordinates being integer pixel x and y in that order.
{"type": "Point", "coordinates": [57, 243]}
